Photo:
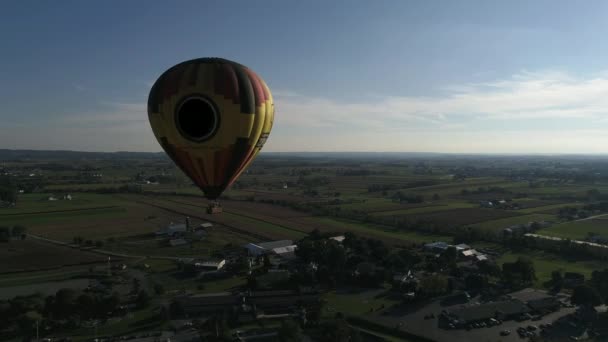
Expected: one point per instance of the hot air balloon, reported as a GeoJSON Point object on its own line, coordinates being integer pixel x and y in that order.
{"type": "Point", "coordinates": [212, 117]}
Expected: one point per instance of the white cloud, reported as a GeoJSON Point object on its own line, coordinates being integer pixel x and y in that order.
{"type": "Point", "coordinates": [527, 95]}
{"type": "Point", "coordinates": [551, 112]}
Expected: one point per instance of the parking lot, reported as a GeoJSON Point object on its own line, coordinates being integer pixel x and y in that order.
{"type": "Point", "coordinates": [414, 322]}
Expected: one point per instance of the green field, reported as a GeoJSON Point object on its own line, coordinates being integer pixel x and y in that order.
{"type": "Point", "coordinates": [578, 230]}
{"type": "Point", "coordinates": [500, 224]}
{"type": "Point", "coordinates": [263, 226]}
{"type": "Point", "coordinates": [370, 230]}
{"type": "Point", "coordinates": [545, 263]}
{"type": "Point", "coordinates": [430, 208]}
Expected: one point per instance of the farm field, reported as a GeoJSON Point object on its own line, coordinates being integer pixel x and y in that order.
{"type": "Point", "coordinates": [578, 230]}
{"type": "Point", "coordinates": [428, 208]}
{"type": "Point", "coordinates": [457, 217]}
{"type": "Point", "coordinates": [390, 236]}
{"type": "Point", "coordinates": [500, 224]}
{"type": "Point", "coordinates": [31, 255]}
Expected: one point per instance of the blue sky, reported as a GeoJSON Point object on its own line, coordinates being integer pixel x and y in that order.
{"type": "Point", "coordinates": [434, 76]}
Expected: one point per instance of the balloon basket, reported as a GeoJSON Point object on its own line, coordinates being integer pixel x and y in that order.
{"type": "Point", "coordinates": [214, 208]}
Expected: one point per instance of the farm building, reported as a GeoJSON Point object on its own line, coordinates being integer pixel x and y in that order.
{"type": "Point", "coordinates": [537, 300]}
{"type": "Point", "coordinates": [256, 249]}
{"type": "Point", "coordinates": [339, 238]}
{"type": "Point", "coordinates": [287, 252]}
{"type": "Point", "coordinates": [462, 247]}
{"type": "Point", "coordinates": [436, 247]}
{"type": "Point", "coordinates": [173, 230]}
{"type": "Point", "coordinates": [214, 265]}
{"type": "Point", "coordinates": [503, 310]}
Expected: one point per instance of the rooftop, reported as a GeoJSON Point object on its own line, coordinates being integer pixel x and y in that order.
{"type": "Point", "coordinates": [275, 244]}
{"type": "Point", "coordinates": [489, 310]}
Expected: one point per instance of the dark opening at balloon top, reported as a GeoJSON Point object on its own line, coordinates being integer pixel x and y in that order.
{"type": "Point", "coordinates": [212, 117]}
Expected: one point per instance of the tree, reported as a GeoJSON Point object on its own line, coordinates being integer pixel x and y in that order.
{"type": "Point", "coordinates": [136, 285]}
{"type": "Point", "coordinates": [143, 299]}
{"type": "Point", "coordinates": [557, 280]}
{"type": "Point", "coordinates": [476, 282]}
{"type": "Point", "coordinates": [433, 285]}
{"type": "Point", "coordinates": [290, 331]}
{"type": "Point", "coordinates": [18, 231]}
{"type": "Point", "coordinates": [520, 272]}
{"type": "Point", "coordinates": [585, 296]}
{"type": "Point", "coordinates": [5, 234]}
{"type": "Point", "coordinates": [159, 289]}
{"type": "Point", "coordinates": [266, 264]}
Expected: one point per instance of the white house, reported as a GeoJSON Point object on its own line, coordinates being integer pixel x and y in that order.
{"type": "Point", "coordinates": [214, 265]}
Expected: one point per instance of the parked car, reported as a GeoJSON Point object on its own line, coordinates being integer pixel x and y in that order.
{"type": "Point", "coordinates": [505, 332]}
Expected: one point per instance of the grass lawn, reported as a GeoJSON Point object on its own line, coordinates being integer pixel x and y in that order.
{"type": "Point", "coordinates": [577, 230]}
{"type": "Point", "coordinates": [545, 263]}
{"type": "Point", "coordinates": [500, 224]}
{"type": "Point", "coordinates": [30, 203]}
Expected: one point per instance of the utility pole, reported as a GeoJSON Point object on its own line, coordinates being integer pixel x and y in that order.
{"type": "Point", "coordinates": [37, 331]}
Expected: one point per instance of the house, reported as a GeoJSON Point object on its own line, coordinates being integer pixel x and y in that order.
{"type": "Point", "coordinates": [214, 265]}
{"type": "Point", "coordinates": [256, 249]}
{"type": "Point", "coordinates": [287, 252]}
{"type": "Point", "coordinates": [173, 230]}
{"type": "Point", "coordinates": [339, 238]}
{"type": "Point", "coordinates": [462, 247]}
{"type": "Point", "coordinates": [177, 242]}
{"type": "Point", "coordinates": [436, 247]}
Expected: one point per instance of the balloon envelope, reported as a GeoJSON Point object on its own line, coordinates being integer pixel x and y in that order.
{"type": "Point", "coordinates": [212, 117]}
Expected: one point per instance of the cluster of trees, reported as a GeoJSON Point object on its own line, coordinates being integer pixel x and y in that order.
{"type": "Point", "coordinates": [361, 261]}
{"type": "Point", "coordinates": [14, 232]}
{"type": "Point", "coordinates": [20, 314]}
{"type": "Point", "coordinates": [381, 187]}
{"type": "Point", "coordinates": [408, 198]}
{"type": "Point", "coordinates": [484, 190]}
{"type": "Point", "coordinates": [79, 240]}
{"type": "Point", "coordinates": [572, 213]}
{"type": "Point", "coordinates": [594, 292]}
{"type": "Point", "coordinates": [519, 273]}
{"type": "Point", "coordinates": [355, 172]}
{"type": "Point", "coordinates": [8, 191]}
